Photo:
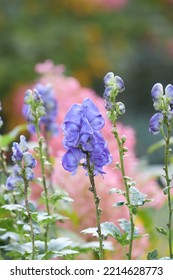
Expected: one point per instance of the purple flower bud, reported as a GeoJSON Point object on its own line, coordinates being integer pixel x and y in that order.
{"type": "Point", "coordinates": [169, 93]}
{"type": "Point", "coordinates": [157, 92]}
{"type": "Point", "coordinates": [28, 97]}
{"type": "Point", "coordinates": [29, 160]}
{"type": "Point", "coordinates": [155, 123]}
{"type": "Point", "coordinates": [108, 91]}
{"type": "Point", "coordinates": [23, 144]}
{"type": "Point", "coordinates": [14, 182]}
{"type": "Point", "coordinates": [119, 84]}
{"type": "Point", "coordinates": [71, 160]}
{"type": "Point", "coordinates": [109, 79]}
{"type": "Point", "coordinates": [29, 174]}
{"type": "Point", "coordinates": [120, 107]}
{"type": "Point", "coordinates": [17, 152]}
{"type": "Point", "coordinates": [29, 115]}
{"type": "Point", "coordinates": [37, 97]}
{"type": "Point", "coordinates": [108, 105]}
{"type": "Point", "coordinates": [17, 170]}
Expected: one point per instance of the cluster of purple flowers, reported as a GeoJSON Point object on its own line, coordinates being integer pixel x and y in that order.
{"type": "Point", "coordinates": [113, 86]}
{"type": "Point", "coordinates": [44, 104]}
{"type": "Point", "coordinates": [24, 162]}
{"type": "Point", "coordinates": [82, 138]}
{"type": "Point", "coordinates": [163, 104]}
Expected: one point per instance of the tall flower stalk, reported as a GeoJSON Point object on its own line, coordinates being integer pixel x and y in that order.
{"type": "Point", "coordinates": [86, 147]}
{"type": "Point", "coordinates": [34, 111]}
{"type": "Point", "coordinates": [22, 174]}
{"type": "Point", "coordinates": [162, 121]}
{"type": "Point", "coordinates": [113, 86]}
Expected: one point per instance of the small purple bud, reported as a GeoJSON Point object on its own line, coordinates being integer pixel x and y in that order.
{"type": "Point", "coordinates": [29, 116]}
{"type": "Point", "coordinates": [23, 144]}
{"type": "Point", "coordinates": [17, 152]}
{"type": "Point", "coordinates": [37, 97]}
{"type": "Point", "coordinates": [108, 105]}
{"type": "Point", "coordinates": [29, 160]}
{"type": "Point", "coordinates": [155, 123]}
{"type": "Point", "coordinates": [28, 97]}
{"type": "Point", "coordinates": [108, 91]}
{"type": "Point", "coordinates": [157, 91]}
{"type": "Point", "coordinates": [17, 170]}
{"type": "Point", "coordinates": [169, 93]}
{"type": "Point", "coordinates": [109, 79]}
{"type": "Point", "coordinates": [14, 182]}
{"type": "Point", "coordinates": [29, 174]}
{"type": "Point", "coordinates": [119, 84]}
{"type": "Point", "coordinates": [120, 108]}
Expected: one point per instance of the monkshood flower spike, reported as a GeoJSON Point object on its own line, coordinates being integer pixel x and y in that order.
{"type": "Point", "coordinates": [22, 174]}
{"type": "Point", "coordinates": [86, 147]}
{"type": "Point", "coordinates": [41, 104]}
{"type": "Point", "coordinates": [113, 86]}
{"type": "Point", "coordinates": [40, 110]}
{"type": "Point", "coordinates": [162, 122]}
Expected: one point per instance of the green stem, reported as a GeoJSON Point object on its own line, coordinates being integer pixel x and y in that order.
{"type": "Point", "coordinates": [122, 168]}
{"type": "Point", "coordinates": [97, 202]}
{"type": "Point", "coordinates": [44, 182]}
{"type": "Point", "coordinates": [169, 225]}
{"type": "Point", "coordinates": [29, 214]}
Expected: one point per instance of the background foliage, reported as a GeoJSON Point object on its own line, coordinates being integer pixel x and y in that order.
{"type": "Point", "coordinates": [131, 38]}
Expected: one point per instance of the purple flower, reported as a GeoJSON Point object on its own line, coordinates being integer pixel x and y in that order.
{"type": "Point", "coordinates": [29, 174]}
{"type": "Point", "coordinates": [107, 93]}
{"type": "Point", "coordinates": [100, 157]}
{"type": "Point", "coordinates": [41, 104]}
{"type": "Point", "coordinates": [82, 138]}
{"type": "Point", "coordinates": [109, 79]}
{"type": "Point", "coordinates": [71, 160]}
{"type": "Point", "coordinates": [157, 92]}
{"type": "Point", "coordinates": [24, 163]}
{"type": "Point", "coordinates": [13, 182]}
{"type": "Point", "coordinates": [29, 160]}
{"type": "Point", "coordinates": [119, 84]}
{"type": "Point", "coordinates": [80, 123]}
{"type": "Point", "coordinates": [23, 144]}
{"type": "Point", "coordinates": [155, 123]}
{"type": "Point", "coordinates": [169, 93]}
{"type": "Point", "coordinates": [17, 152]}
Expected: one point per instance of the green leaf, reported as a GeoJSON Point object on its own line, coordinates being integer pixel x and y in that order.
{"type": "Point", "coordinates": [44, 218]}
{"type": "Point", "coordinates": [107, 228]}
{"type": "Point", "coordinates": [60, 195]}
{"type": "Point", "coordinates": [95, 245]}
{"type": "Point", "coordinates": [119, 204]}
{"type": "Point", "coordinates": [14, 207]}
{"type": "Point", "coordinates": [115, 190]}
{"type": "Point", "coordinates": [8, 138]}
{"type": "Point", "coordinates": [153, 255]}
{"type": "Point", "coordinates": [9, 235]}
{"type": "Point", "coordinates": [92, 231]}
{"type": "Point", "coordinates": [59, 243]}
{"type": "Point", "coordinates": [7, 223]}
{"type": "Point", "coordinates": [136, 197]}
{"type": "Point", "coordinates": [126, 227]}
{"type": "Point", "coordinates": [161, 230]}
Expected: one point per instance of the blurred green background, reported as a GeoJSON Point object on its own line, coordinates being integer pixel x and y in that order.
{"type": "Point", "coordinates": [132, 38]}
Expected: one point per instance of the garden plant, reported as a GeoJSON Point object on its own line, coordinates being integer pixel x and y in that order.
{"type": "Point", "coordinates": [85, 157]}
